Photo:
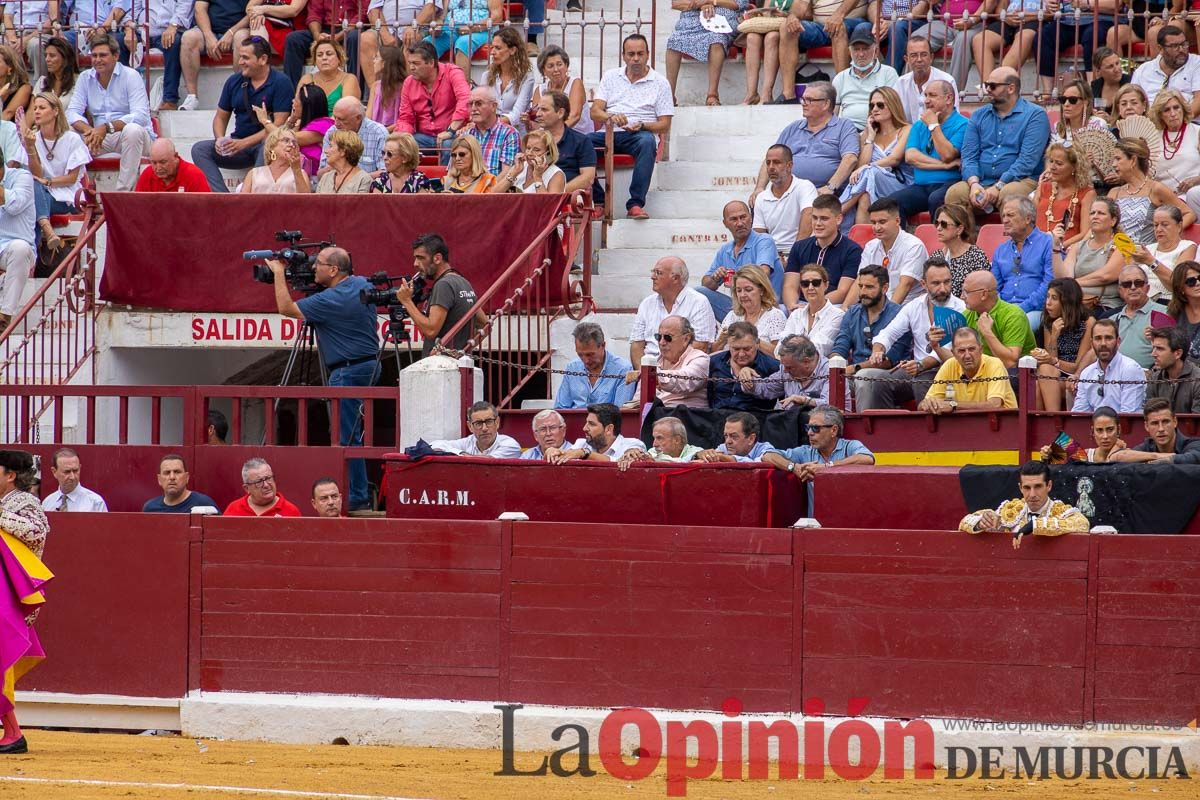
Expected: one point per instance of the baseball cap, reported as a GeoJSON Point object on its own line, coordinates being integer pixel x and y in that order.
{"type": "Point", "coordinates": [862, 35]}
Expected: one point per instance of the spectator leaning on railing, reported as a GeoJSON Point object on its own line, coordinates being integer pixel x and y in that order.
{"type": "Point", "coordinates": [802, 380]}
{"type": "Point", "coordinates": [114, 98]}
{"type": "Point", "coordinates": [670, 442]}
{"type": "Point", "coordinates": [550, 432]}
{"type": "Point", "coordinates": [733, 373]}
{"type": "Point", "coordinates": [254, 84]}
{"type": "Point", "coordinates": [741, 443]}
{"type": "Point", "coordinates": [1165, 443]}
{"type": "Point", "coordinates": [827, 447]}
{"type": "Point", "coordinates": [485, 440]}
{"type": "Point", "coordinates": [980, 382]}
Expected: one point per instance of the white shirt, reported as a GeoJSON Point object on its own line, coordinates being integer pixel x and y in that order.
{"type": "Point", "coordinates": [79, 500]}
{"type": "Point", "coordinates": [914, 319]}
{"type": "Point", "coordinates": [28, 14]}
{"type": "Point", "coordinates": [651, 312]}
{"type": "Point", "coordinates": [913, 96]}
{"type": "Point", "coordinates": [1126, 398]}
{"type": "Point", "coordinates": [10, 140]}
{"type": "Point", "coordinates": [1151, 77]}
{"type": "Point", "coordinates": [825, 326]}
{"type": "Point", "coordinates": [770, 324]}
{"type": "Point", "coordinates": [646, 100]}
{"type": "Point", "coordinates": [397, 13]}
{"type": "Point", "coordinates": [63, 155]}
{"type": "Point", "coordinates": [618, 448]}
{"type": "Point", "coordinates": [906, 258]}
{"type": "Point", "coordinates": [503, 447]}
{"type": "Point", "coordinates": [124, 100]}
{"type": "Point", "coordinates": [780, 216]}
{"type": "Point", "coordinates": [1155, 288]}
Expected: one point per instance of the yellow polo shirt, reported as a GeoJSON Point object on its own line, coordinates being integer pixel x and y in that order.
{"type": "Point", "coordinates": [975, 390]}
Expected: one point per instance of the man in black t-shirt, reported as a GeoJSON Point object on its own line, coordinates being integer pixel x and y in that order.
{"type": "Point", "coordinates": [177, 498]}
{"type": "Point", "coordinates": [451, 296]}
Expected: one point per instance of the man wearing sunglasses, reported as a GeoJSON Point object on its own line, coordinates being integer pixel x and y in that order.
{"type": "Point", "coordinates": [683, 370]}
{"type": "Point", "coordinates": [825, 447]}
{"type": "Point", "coordinates": [1114, 379]}
{"type": "Point", "coordinates": [485, 438]}
{"type": "Point", "coordinates": [262, 498]}
{"type": "Point", "coordinates": [1136, 317]}
{"type": "Point", "coordinates": [1002, 151]}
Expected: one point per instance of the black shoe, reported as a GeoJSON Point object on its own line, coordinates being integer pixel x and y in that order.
{"type": "Point", "coordinates": [16, 748]}
{"type": "Point", "coordinates": [784, 101]}
{"type": "Point", "coordinates": [574, 5]}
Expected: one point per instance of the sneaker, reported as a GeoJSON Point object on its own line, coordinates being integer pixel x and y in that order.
{"type": "Point", "coordinates": [190, 103]}
{"type": "Point", "coordinates": [637, 212]}
{"type": "Point", "coordinates": [574, 5]}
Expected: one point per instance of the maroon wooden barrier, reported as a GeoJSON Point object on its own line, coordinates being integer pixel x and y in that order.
{"type": "Point", "coordinates": [736, 495]}
{"type": "Point", "coordinates": [518, 423]}
{"type": "Point", "coordinates": [124, 475]}
{"type": "Point", "coordinates": [919, 498]}
{"type": "Point", "coordinates": [398, 609]}
{"type": "Point", "coordinates": [651, 616]}
{"type": "Point", "coordinates": [116, 616]}
{"type": "Point", "coordinates": [946, 625]}
{"type": "Point", "coordinates": [295, 469]}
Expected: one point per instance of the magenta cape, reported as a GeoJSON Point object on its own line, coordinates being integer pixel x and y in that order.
{"type": "Point", "coordinates": [22, 577]}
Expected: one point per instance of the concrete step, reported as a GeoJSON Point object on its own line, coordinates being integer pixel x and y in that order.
{"type": "Point", "coordinates": [667, 235]}
{"type": "Point", "coordinates": [690, 204]}
{"type": "Point", "coordinates": [717, 148]}
{"type": "Point", "coordinates": [624, 275]}
{"type": "Point", "coordinates": [734, 177]}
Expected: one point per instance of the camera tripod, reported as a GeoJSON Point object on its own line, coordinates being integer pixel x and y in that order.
{"type": "Point", "coordinates": [305, 350]}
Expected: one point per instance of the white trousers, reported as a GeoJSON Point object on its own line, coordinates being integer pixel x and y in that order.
{"type": "Point", "coordinates": [132, 142]}
{"type": "Point", "coordinates": [16, 265]}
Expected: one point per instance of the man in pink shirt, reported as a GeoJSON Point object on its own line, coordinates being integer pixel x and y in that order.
{"type": "Point", "coordinates": [433, 99]}
{"type": "Point", "coordinates": [682, 368]}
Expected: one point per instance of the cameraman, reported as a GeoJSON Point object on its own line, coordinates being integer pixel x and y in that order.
{"type": "Point", "coordinates": [347, 341]}
{"type": "Point", "coordinates": [450, 295]}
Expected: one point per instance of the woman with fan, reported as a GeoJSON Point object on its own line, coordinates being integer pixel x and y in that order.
{"type": "Point", "coordinates": [1063, 338]}
{"type": "Point", "coordinates": [1139, 194]}
{"type": "Point", "coordinates": [882, 170]}
{"type": "Point", "coordinates": [1065, 193]}
{"type": "Point", "coordinates": [1076, 113]}
{"type": "Point", "coordinates": [1094, 262]}
{"type": "Point", "coordinates": [1106, 434]}
{"type": "Point", "coordinates": [1179, 167]}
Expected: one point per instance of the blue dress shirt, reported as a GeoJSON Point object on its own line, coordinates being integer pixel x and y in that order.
{"type": "Point", "coordinates": [759, 249]}
{"type": "Point", "coordinates": [856, 334]}
{"type": "Point", "coordinates": [1005, 149]}
{"type": "Point", "coordinates": [576, 391]}
{"type": "Point", "coordinates": [1024, 282]}
{"type": "Point", "coordinates": [124, 100]}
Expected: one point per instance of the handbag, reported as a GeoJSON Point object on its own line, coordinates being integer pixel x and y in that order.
{"type": "Point", "coordinates": [49, 260]}
{"type": "Point", "coordinates": [761, 24]}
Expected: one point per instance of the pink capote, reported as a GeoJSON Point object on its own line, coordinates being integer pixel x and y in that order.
{"type": "Point", "coordinates": [22, 577]}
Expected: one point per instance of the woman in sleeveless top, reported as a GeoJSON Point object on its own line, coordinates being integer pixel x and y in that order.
{"type": "Point", "coordinates": [1065, 193]}
{"type": "Point", "coordinates": [283, 172]}
{"type": "Point", "coordinates": [1094, 262]}
{"type": "Point", "coordinates": [1064, 336]}
{"type": "Point", "coordinates": [1169, 248]}
{"type": "Point", "coordinates": [882, 170]}
{"type": "Point", "coordinates": [1179, 167]}
{"type": "Point", "coordinates": [330, 60]}
{"type": "Point", "coordinates": [555, 65]}
{"type": "Point", "coordinates": [1138, 193]}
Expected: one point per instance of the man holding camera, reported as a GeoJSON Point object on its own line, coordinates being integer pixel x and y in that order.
{"type": "Point", "coordinates": [450, 295]}
{"type": "Point", "coordinates": [347, 341]}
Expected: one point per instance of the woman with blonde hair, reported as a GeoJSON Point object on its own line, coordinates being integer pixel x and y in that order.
{"type": "Point", "coordinates": [329, 57]}
{"type": "Point", "coordinates": [882, 170]}
{"type": "Point", "coordinates": [1077, 115]}
{"type": "Point", "coordinates": [754, 301]}
{"type": "Point", "coordinates": [283, 172]}
{"type": "Point", "coordinates": [58, 159]}
{"type": "Point", "coordinates": [510, 75]}
{"type": "Point", "coordinates": [1131, 101]}
{"type": "Point", "coordinates": [1065, 193]}
{"type": "Point", "coordinates": [400, 175]}
{"type": "Point", "coordinates": [467, 173]}
{"type": "Point", "coordinates": [15, 89]}
{"type": "Point", "coordinates": [534, 169]}
{"type": "Point", "coordinates": [1179, 167]}
{"type": "Point", "coordinates": [344, 175]}
{"type": "Point", "coordinates": [1138, 194]}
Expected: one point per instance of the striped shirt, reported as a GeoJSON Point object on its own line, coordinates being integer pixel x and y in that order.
{"type": "Point", "coordinates": [499, 143]}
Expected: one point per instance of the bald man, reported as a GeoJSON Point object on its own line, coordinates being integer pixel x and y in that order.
{"type": "Point", "coordinates": [170, 173]}
{"type": "Point", "coordinates": [670, 296]}
{"type": "Point", "coordinates": [350, 115]}
{"type": "Point", "coordinates": [1002, 326]}
{"type": "Point", "coordinates": [1002, 151]}
{"type": "Point", "coordinates": [748, 248]}
{"type": "Point", "coordinates": [497, 138]}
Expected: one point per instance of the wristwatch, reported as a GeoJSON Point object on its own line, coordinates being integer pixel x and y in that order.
{"type": "Point", "coordinates": [934, 126]}
{"type": "Point", "coordinates": [111, 127]}
{"type": "Point", "coordinates": [791, 466]}
{"type": "Point", "coordinates": [953, 405]}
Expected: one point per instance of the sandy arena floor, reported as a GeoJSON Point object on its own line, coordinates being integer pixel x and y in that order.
{"type": "Point", "coordinates": [78, 766]}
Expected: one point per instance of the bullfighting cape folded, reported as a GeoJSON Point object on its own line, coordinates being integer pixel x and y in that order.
{"type": "Point", "coordinates": [22, 577]}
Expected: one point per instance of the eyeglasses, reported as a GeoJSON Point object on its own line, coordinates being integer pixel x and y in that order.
{"type": "Point", "coordinates": [807, 101]}
{"type": "Point", "coordinates": [878, 106]}
{"type": "Point", "coordinates": [664, 337]}
{"type": "Point", "coordinates": [548, 429]}
{"type": "Point", "coordinates": [1176, 45]}
{"type": "Point", "coordinates": [389, 154]}
{"type": "Point", "coordinates": [1100, 387]}
{"type": "Point", "coordinates": [815, 428]}
{"type": "Point", "coordinates": [1071, 100]}
{"type": "Point", "coordinates": [261, 481]}
{"type": "Point", "coordinates": [812, 283]}
{"type": "Point", "coordinates": [942, 224]}
{"type": "Point", "coordinates": [1191, 280]}
{"type": "Point", "coordinates": [1134, 284]}
{"type": "Point", "coordinates": [484, 423]}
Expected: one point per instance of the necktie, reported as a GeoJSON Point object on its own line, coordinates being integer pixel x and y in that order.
{"type": "Point", "coordinates": [63, 505]}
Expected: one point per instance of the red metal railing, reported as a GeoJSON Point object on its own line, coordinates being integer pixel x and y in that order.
{"type": "Point", "coordinates": [525, 303]}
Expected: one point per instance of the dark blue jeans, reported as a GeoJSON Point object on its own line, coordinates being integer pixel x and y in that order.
{"type": "Point", "coordinates": [210, 162]}
{"type": "Point", "coordinates": [350, 426]}
{"type": "Point", "coordinates": [172, 69]}
{"type": "Point", "coordinates": [643, 147]}
{"type": "Point", "coordinates": [1069, 34]}
{"type": "Point", "coordinates": [921, 197]}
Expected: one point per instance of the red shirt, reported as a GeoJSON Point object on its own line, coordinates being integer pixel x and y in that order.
{"type": "Point", "coordinates": [431, 111]}
{"type": "Point", "coordinates": [241, 508]}
{"type": "Point", "coordinates": [189, 178]}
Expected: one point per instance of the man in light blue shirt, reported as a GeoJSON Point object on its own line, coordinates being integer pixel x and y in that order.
{"type": "Point", "coordinates": [825, 448]}
{"type": "Point", "coordinates": [605, 379]}
{"type": "Point", "coordinates": [741, 441]}
{"type": "Point", "coordinates": [934, 142]}
{"type": "Point", "coordinates": [115, 97]}
{"type": "Point", "coordinates": [1002, 151]}
{"type": "Point", "coordinates": [1024, 262]}
{"type": "Point", "coordinates": [550, 431]}
{"type": "Point", "coordinates": [17, 220]}
{"type": "Point", "coordinates": [748, 248]}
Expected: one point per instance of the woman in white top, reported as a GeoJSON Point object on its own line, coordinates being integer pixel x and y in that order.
{"type": "Point", "coordinates": [58, 160]}
{"type": "Point", "coordinates": [1169, 248]}
{"type": "Point", "coordinates": [555, 66]}
{"type": "Point", "coordinates": [754, 301]}
{"type": "Point", "coordinates": [62, 70]}
{"type": "Point", "coordinates": [1179, 167]}
{"type": "Point", "coordinates": [511, 76]}
{"type": "Point", "coordinates": [283, 172]}
{"type": "Point", "coordinates": [534, 170]}
{"type": "Point", "coordinates": [818, 319]}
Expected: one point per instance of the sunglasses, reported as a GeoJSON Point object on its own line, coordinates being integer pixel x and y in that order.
{"type": "Point", "coordinates": [1134, 284]}
{"type": "Point", "coordinates": [460, 155]}
{"type": "Point", "coordinates": [878, 106]}
{"type": "Point", "coordinates": [1072, 100]}
{"type": "Point", "coordinates": [812, 283]}
{"type": "Point", "coordinates": [664, 337]}
{"type": "Point", "coordinates": [941, 223]}
{"type": "Point", "coordinates": [992, 86]}
{"type": "Point", "coordinates": [815, 428]}
{"type": "Point", "coordinates": [1191, 280]}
